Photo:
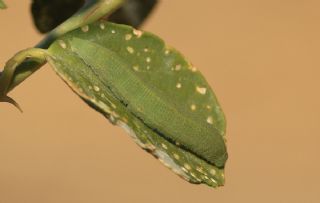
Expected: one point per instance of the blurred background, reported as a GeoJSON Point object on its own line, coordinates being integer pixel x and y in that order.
{"type": "Point", "coordinates": [261, 58]}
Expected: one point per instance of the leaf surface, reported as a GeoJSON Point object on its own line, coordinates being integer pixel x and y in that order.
{"type": "Point", "coordinates": [150, 90]}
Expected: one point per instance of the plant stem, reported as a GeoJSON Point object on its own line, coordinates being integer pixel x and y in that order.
{"type": "Point", "coordinates": [92, 11]}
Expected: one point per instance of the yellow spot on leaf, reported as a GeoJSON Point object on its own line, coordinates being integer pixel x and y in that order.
{"type": "Point", "coordinates": [130, 50]}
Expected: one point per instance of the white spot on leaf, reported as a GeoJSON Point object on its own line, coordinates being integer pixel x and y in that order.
{"type": "Point", "coordinates": [193, 107]}
{"type": "Point", "coordinates": [62, 44]}
{"type": "Point", "coordinates": [138, 33]}
{"type": "Point", "coordinates": [193, 69]}
{"type": "Point", "coordinates": [96, 88]}
{"type": "Point", "coordinates": [102, 26]}
{"type": "Point", "coordinates": [128, 37]}
{"type": "Point", "coordinates": [135, 68]}
{"type": "Point", "coordinates": [210, 120]}
{"type": "Point", "coordinates": [85, 28]}
{"type": "Point", "coordinates": [178, 67]}
{"type": "Point", "coordinates": [201, 90]}
{"type": "Point", "coordinates": [130, 50]}
{"type": "Point", "coordinates": [213, 172]}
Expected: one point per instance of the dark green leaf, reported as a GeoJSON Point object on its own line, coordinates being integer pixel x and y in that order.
{"type": "Point", "coordinates": [48, 14]}
{"type": "Point", "coordinates": [133, 12]}
{"type": "Point", "coordinates": [150, 90]}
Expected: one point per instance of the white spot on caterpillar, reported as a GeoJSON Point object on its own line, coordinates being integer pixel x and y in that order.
{"type": "Point", "coordinates": [128, 37]}
{"type": "Point", "coordinates": [167, 52]}
{"type": "Point", "coordinates": [130, 50]}
{"type": "Point", "coordinates": [164, 146]}
{"type": "Point", "coordinates": [178, 85]}
{"type": "Point", "coordinates": [138, 33]}
{"type": "Point", "coordinates": [148, 67]}
{"type": "Point", "coordinates": [184, 169]}
{"type": "Point", "coordinates": [209, 107]}
{"type": "Point", "coordinates": [193, 107]}
{"type": "Point", "coordinates": [201, 90]}
{"type": "Point", "coordinates": [148, 59]}
{"type": "Point", "coordinates": [90, 87]}
{"type": "Point", "coordinates": [114, 114]}
{"type": "Point", "coordinates": [176, 156]}
{"type": "Point", "coordinates": [96, 88]}
{"type": "Point", "coordinates": [85, 28]}
{"type": "Point", "coordinates": [113, 31]}
{"type": "Point", "coordinates": [210, 120]}
{"type": "Point", "coordinates": [113, 105]}
{"type": "Point", "coordinates": [146, 50]}
{"type": "Point", "coordinates": [193, 175]}
{"type": "Point", "coordinates": [187, 166]}
{"type": "Point", "coordinates": [102, 26]}
{"type": "Point", "coordinates": [199, 169]}
{"type": "Point", "coordinates": [62, 44]}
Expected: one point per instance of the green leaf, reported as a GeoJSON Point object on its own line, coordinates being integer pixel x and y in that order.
{"type": "Point", "coordinates": [150, 90]}
{"type": "Point", "coordinates": [2, 5]}
{"type": "Point", "coordinates": [48, 14]}
{"type": "Point", "coordinates": [133, 12]}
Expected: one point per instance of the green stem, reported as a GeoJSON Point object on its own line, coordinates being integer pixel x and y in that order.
{"type": "Point", "coordinates": [90, 12]}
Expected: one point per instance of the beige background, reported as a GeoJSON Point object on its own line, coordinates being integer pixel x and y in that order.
{"type": "Point", "coordinates": [261, 57]}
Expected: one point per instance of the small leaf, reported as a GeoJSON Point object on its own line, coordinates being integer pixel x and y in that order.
{"type": "Point", "coordinates": [151, 91]}
{"type": "Point", "coordinates": [2, 5]}
{"type": "Point", "coordinates": [133, 12]}
{"type": "Point", "coordinates": [49, 14]}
